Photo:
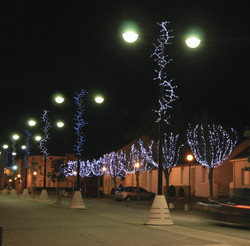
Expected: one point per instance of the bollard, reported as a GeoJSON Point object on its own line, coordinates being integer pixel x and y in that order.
{"type": "Point", "coordinates": [1, 235]}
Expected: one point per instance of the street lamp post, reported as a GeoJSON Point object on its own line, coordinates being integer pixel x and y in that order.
{"type": "Point", "coordinates": [190, 159]}
{"type": "Point", "coordinates": [137, 167]}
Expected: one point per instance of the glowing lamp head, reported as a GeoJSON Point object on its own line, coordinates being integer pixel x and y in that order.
{"type": "Point", "coordinates": [34, 173]}
{"type": "Point", "coordinates": [32, 122]}
{"type": "Point", "coordinates": [130, 36]}
{"type": "Point", "coordinates": [190, 157]}
{"type": "Point", "coordinates": [15, 137]}
{"type": "Point", "coordinates": [24, 147]}
{"type": "Point", "coordinates": [59, 99]}
{"type": "Point", "coordinates": [38, 138]}
{"type": "Point", "coordinates": [5, 146]}
{"type": "Point", "coordinates": [14, 167]}
{"type": "Point", "coordinates": [104, 169]}
{"type": "Point", "coordinates": [60, 124]}
{"type": "Point", "coordinates": [99, 99]}
{"type": "Point", "coordinates": [137, 165]}
{"type": "Point", "coordinates": [75, 173]}
{"type": "Point", "coordinates": [193, 42]}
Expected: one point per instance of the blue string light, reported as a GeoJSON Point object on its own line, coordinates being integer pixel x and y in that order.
{"type": "Point", "coordinates": [171, 151]}
{"type": "Point", "coordinates": [79, 122]}
{"type": "Point", "coordinates": [140, 158]}
{"type": "Point", "coordinates": [46, 128]}
{"type": "Point", "coordinates": [27, 149]}
{"type": "Point", "coordinates": [211, 144]}
{"type": "Point", "coordinates": [168, 95]}
{"type": "Point", "coordinates": [97, 167]}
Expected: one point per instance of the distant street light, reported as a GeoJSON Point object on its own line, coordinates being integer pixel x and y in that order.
{"type": "Point", "coordinates": [31, 122]}
{"type": "Point", "coordinates": [99, 99]}
{"type": "Point", "coordinates": [38, 138]}
{"type": "Point", "coordinates": [190, 159]}
{"type": "Point", "coordinates": [15, 137]}
{"type": "Point", "coordinates": [193, 42]}
{"type": "Point", "coordinates": [137, 165]}
{"type": "Point", "coordinates": [130, 36]}
{"type": "Point", "coordinates": [24, 147]}
{"type": "Point", "coordinates": [14, 167]}
{"type": "Point", "coordinates": [5, 146]}
{"type": "Point", "coordinates": [59, 99]}
{"type": "Point", "coordinates": [60, 124]}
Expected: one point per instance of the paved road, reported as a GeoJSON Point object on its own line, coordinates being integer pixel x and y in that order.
{"type": "Point", "coordinates": [106, 222]}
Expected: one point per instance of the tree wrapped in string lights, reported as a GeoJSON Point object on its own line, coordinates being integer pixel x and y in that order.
{"type": "Point", "coordinates": [78, 129]}
{"type": "Point", "coordinates": [171, 154]}
{"type": "Point", "coordinates": [167, 89]}
{"type": "Point", "coordinates": [85, 171]}
{"type": "Point", "coordinates": [97, 170]}
{"type": "Point", "coordinates": [43, 143]}
{"type": "Point", "coordinates": [211, 146]}
{"type": "Point", "coordinates": [114, 165]}
{"type": "Point", "coordinates": [140, 160]}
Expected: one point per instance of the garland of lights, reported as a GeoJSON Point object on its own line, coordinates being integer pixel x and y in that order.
{"type": "Point", "coordinates": [211, 144]}
{"type": "Point", "coordinates": [114, 164]}
{"type": "Point", "coordinates": [79, 122]}
{"type": "Point", "coordinates": [6, 157]}
{"type": "Point", "coordinates": [170, 150]}
{"type": "Point", "coordinates": [46, 128]}
{"type": "Point", "coordinates": [72, 166]}
{"type": "Point", "coordinates": [97, 167]}
{"type": "Point", "coordinates": [27, 149]}
{"type": "Point", "coordinates": [167, 96]}
{"type": "Point", "coordinates": [142, 156]}
{"type": "Point", "coordinates": [13, 151]}
{"type": "Point", "coordinates": [85, 169]}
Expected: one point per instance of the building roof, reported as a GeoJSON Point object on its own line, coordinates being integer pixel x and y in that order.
{"type": "Point", "coordinates": [241, 151]}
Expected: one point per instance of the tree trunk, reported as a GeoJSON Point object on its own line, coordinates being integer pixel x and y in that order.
{"type": "Point", "coordinates": [211, 174]}
{"type": "Point", "coordinates": [78, 174]}
{"type": "Point", "coordinates": [57, 193]}
{"type": "Point", "coordinates": [85, 187]}
{"type": "Point", "coordinates": [45, 172]}
{"type": "Point", "coordinates": [115, 182]}
{"type": "Point", "coordinates": [167, 185]}
{"type": "Point", "coordinates": [98, 187]}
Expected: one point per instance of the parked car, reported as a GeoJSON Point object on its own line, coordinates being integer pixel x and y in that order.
{"type": "Point", "coordinates": [233, 211]}
{"type": "Point", "coordinates": [130, 193]}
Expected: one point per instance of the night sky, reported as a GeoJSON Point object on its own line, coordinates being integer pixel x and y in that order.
{"type": "Point", "coordinates": [50, 46]}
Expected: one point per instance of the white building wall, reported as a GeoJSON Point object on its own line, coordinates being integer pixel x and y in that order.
{"type": "Point", "coordinates": [202, 181]}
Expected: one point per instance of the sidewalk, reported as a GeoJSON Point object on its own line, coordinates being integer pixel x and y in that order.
{"type": "Point", "coordinates": [104, 222]}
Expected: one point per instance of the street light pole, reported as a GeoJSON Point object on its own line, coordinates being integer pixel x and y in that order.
{"type": "Point", "coordinates": [161, 131]}
{"type": "Point", "coordinates": [190, 160]}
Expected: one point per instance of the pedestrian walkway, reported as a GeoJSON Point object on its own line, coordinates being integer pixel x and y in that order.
{"type": "Point", "coordinates": [104, 222]}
